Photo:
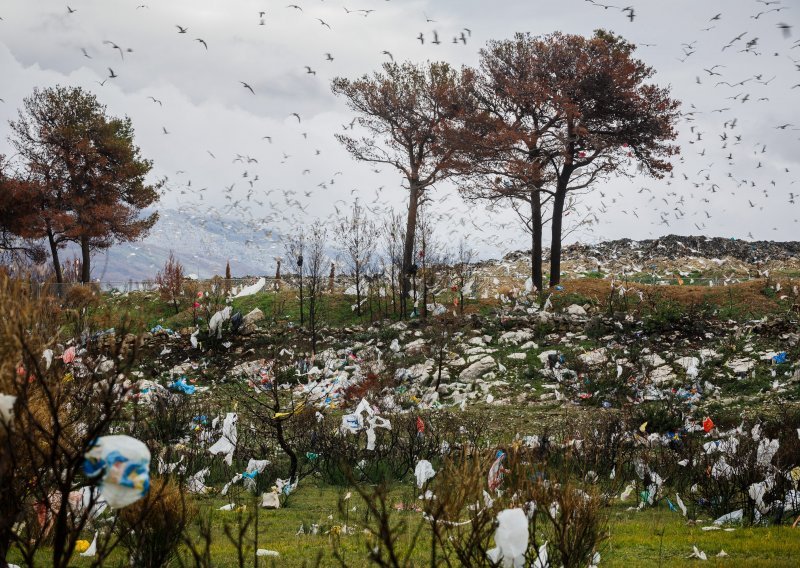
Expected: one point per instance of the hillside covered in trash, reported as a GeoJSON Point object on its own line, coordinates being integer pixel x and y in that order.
{"type": "Point", "coordinates": [685, 256]}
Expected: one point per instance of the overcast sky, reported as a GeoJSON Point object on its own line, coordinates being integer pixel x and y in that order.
{"type": "Point", "coordinates": [210, 118]}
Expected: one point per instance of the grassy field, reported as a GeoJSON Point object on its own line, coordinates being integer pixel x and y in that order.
{"type": "Point", "coordinates": [654, 537]}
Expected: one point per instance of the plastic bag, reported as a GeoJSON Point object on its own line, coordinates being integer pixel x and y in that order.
{"type": "Point", "coordinates": [181, 386]}
{"type": "Point", "coordinates": [7, 408]}
{"type": "Point", "coordinates": [123, 465]}
{"type": "Point", "coordinates": [227, 443]}
{"type": "Point", "coordinates": [510, 538]}
{"type": "Point", "coordinates": [423, 472]}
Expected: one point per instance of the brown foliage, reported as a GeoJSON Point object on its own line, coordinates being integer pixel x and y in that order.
{"type": "Point", "coordinates": [170, 282]}
{"type": "Point", "coordinates": [80, 176]}
{"type": "Point", "coordinates": [152, 528]}
{"type": "Point", "coordinates": [60, 408]}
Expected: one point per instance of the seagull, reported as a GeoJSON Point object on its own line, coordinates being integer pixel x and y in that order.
{"type": "Point", "coordinates": [328, 57]}
{"type": "Point", "coordinates": [297, 116]}
{"type": "Point", "coordinates": [85, 54]}
{"type": "Point", "coordinates": [181, 30]}
{"type": "Point", "coordinates": [203, 42]}
{"type": "Point", "coordinates": [246, 86]}
{"type": "Point", "coordinates": [324, 23]}
{"type": "Point", "coordinates": [115, 46]}
{"type": "Point", "coordinates": [155, 100]}
{"type": "Point", "coordinates": [71, 10]}
{"type": "Point", "coordinates": [384, 52]}
{"type": "Point", "coordinates": [310, 71]}
{"type": "Point", "coordinates": [436, 38]}
{"type": "Point", "coordinates": [295, 6]}
{"type": "Point", "coordinates": [112, 75]}
{"type": "Point", "coordinates": [421, 37]}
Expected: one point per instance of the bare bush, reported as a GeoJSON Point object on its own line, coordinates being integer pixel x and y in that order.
{"type": "Point", "coordinates": [170, 282]}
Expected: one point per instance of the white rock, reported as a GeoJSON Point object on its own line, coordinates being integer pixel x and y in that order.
{"type": "Point", "coordinates": [477, 369]}
{"type": "Point", "coordinates": [662, 374]}
{"type": "Point", "coordinates": [596, 357]}
{"type": "Point", "coordinates": [653, 360]}
{"type": "Point", "coordinates": [576, 310]}
{"type": "Point", "coordinates": [514, 337]}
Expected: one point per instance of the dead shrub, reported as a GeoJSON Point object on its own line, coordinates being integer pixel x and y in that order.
{"type": "Point", "coordinates": [152, 528]}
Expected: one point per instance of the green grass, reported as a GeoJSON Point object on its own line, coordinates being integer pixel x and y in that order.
{"type": "Point", "coordinates": [653, 537]}
{"type": "Point", "coordinates": [659, 537]}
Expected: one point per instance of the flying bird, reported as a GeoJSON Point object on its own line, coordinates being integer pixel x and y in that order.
{"type": "Point", "coordinates": [112, 75]}
{"type": "Point", "coordinates": [324, 23]}
{"type": "Point", "coordinates": [246, 86]}
{"type": "Point", "coordinates": [181, 30]}
{"type": "Point", "coordinates": [297, 116]}
{"type": "Point", "coordinates": [203, 42]}
{"type": "Point", "coordinates": [71, 10]}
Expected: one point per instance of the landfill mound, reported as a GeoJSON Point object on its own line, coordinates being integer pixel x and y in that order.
{"type": "Point", "coordinates": [676, 254]}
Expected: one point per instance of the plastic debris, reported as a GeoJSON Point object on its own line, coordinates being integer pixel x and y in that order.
{"type": "Point", "coordinates": [216, 321]}
{"type": "Point", "coordinates": [699, 554]}
{"type": "Point", "coordinates": [423, 472]}
{"type": "Point", "coordinates": [252, 289]}
{"type": "Point", "coordinates": [123, 465]}
{"type": "Point", "coordinates": [92, 549]}
{"type": "Point", "coordinates": [511, 539]}
{"type": "Point", "coordinates": [181, 386]}
{"type": "Point", "coordinates": [7, 408]}
{"type": "Point", "coordinates": [227, 442]}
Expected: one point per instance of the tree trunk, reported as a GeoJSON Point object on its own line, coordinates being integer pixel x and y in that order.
{"type": "Point", "coordinates": [54, 253]}
{"type": "Point", "coordinates": [358, 291]}
{"type": "Point", "coordinates": [287, 450]}
{"type": "Point", "coordinates": [555, 244]}
{"type": "Point", "coordinates": [86, 270]}
{"type": "Point", "coordinates": [408, 246]}
{"type": "Point", "coordinates": [536, 240]}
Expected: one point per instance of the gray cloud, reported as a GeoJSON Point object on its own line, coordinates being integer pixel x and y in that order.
{"type": "Point", "coordinates": [206, 109]}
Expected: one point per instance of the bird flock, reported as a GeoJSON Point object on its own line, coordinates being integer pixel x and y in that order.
{"type": "Point", "coordinates": [734, 68]}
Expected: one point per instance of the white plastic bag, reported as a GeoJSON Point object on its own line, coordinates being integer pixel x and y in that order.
{"type": "Point", "coordinates": [123, 465]}
{"type": "Point", "coordinates": [227, 442]}
{"type": "Point", "coordinates": [510, 538]}
{"type": "Point", "coordinates": [423, 472]}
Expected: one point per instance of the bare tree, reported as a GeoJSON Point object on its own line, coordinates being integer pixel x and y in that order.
{"type": "Point", "coordinates": [463, 271]}
{"type": "Point", "coordinates": [393, 239]}
{"type": "Point", "coordinates": [403, 110]}
{"type": "Point", "coordinates": [356, 236]}
{"type": "Point", "coordinates": [430, 255]}
{"type": "Point", "coordinates": [61, 402]}
{"type": "Point", "coordinates": [170, 281]}
{"type": "Point", "coordinates": [295, 245]}
{"type": "Point", "coordinates": [314, 268]}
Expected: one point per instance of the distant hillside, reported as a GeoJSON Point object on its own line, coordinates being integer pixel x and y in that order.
{"type": "Point", "coordinates": [203, 246]}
